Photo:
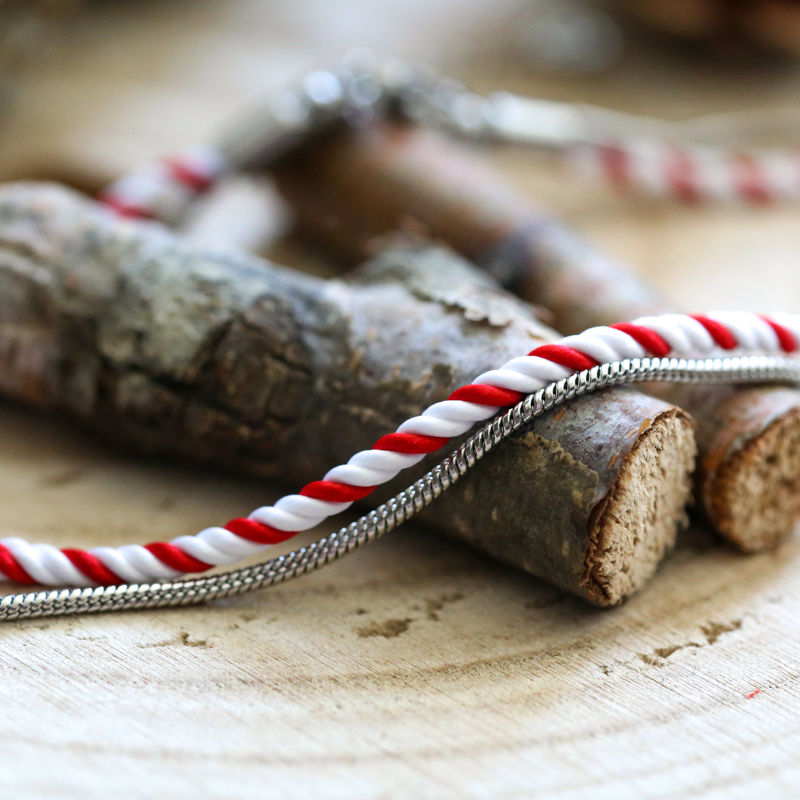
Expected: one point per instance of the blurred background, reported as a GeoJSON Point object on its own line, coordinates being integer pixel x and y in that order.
{"type": "Point", "coordinates": [91, 88]}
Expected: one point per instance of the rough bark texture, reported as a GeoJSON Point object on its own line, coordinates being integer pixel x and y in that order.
{"type": "Point", "coordinates": [355, 188]}
{"type": "Point", "coordinates": [223, 358]}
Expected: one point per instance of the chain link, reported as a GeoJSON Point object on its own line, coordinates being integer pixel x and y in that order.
{"type": "Point", "coordinates": [365, 88]}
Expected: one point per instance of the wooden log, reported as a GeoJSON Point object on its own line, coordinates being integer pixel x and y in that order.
{"type": "Point", "coordinates": [226, 359]}
{"type": "Point", "coordinates": [749, 476]}
{"type": "Point", "coordinates": [354, 189]}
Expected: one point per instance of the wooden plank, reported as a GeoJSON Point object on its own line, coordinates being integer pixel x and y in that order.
{"type": "Point", "coordinates": [415, 667]}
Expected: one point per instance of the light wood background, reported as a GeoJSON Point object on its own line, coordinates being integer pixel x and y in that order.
{"type": "Point", "coordinates": [415, 668]}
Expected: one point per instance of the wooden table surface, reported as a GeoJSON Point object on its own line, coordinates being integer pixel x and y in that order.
{"type": "Point", "coordinates": [415, 668]}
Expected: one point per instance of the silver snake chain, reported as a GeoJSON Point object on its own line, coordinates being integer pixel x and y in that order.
{"type": "Point", "coordinates": [403, 506]}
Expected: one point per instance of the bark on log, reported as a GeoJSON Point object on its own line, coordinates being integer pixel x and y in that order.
{"type": "Point", "coordinates": [353, 189]}
{"type": "Point", "coordinates": [226, 359]}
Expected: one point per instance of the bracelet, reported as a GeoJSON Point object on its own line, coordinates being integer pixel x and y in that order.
{"type": "Point", "coordinates": [670, 336]}
{"type": "Point", "coordinates": [405, 504]}
{"type": "Point", "coordinates": [626, 151]}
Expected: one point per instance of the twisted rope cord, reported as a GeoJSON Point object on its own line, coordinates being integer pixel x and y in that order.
{"type": "Point", "coordinates": [692, 174]}
{"type": "Point", "coordinates": [163, 190]}
{"type": "Point", "coordinates": [404, 505]}
{"type": "Point", "coordinates": [669, 335]}
{"type": "Point", "coordinates": [625, 151]}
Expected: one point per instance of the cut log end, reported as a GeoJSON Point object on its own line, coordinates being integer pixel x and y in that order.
{"type": "Point", "coordinates": [757, 491]}
{"type": "Point", "coordinates": [638, 521]}
{"type": "Point", "coordinates": [591, 517]}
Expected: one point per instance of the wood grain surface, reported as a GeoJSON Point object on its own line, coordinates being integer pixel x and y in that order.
{"type": "Point", "coordinates": [415, 668]}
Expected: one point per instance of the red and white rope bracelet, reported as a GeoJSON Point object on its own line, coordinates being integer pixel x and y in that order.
{"type": "Point", "coordinates": [693, 174]}
{"type": "Point", "coordinates": [671, 335]}
{"type": "Point", "coordinates": [685, 162]}
{"type": "Point", "coordinates": [162, 190]}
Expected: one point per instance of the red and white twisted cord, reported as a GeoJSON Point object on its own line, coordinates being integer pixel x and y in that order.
{"type": "Point", "coordinates": [690, 161]}
{"type": "Point", "coordinates": [163, 190]}
{"type": "Point", "coordinates": [665, 159]}
{"type": "Point", "coordinates": [693, 174]}
{"type": "Point", "coordinates": [676, 335]}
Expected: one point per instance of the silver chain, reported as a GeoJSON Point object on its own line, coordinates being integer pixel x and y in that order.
{"type": "Point", "coordinates": [365, 88]}
{"type": "Point", "coordinates": [750, 369]}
